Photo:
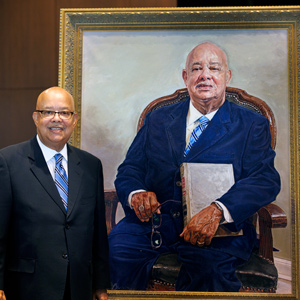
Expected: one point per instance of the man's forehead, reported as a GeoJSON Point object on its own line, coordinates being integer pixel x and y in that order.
{"type": "Point", "coordinates": [55, 100]}
{"type": "Point", "coordinates": [208, 53]}
{"type": "Point", "coordinates": [55, 105]}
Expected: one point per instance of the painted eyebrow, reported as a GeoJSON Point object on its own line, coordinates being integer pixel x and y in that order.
{"type": "Point", "coordinates": [211, 63]}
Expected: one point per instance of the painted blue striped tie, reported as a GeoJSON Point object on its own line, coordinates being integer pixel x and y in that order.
{"type": "Point", "coordinates": [61, 179]}
{"type": "Point", "coordinates": [203, 121]}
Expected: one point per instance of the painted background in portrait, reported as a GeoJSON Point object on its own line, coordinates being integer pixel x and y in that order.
{"type": "Point", "coordinates": [122, 71]}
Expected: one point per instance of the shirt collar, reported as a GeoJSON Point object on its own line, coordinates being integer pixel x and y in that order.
{"type": "Point", "coordinates": [194, 114]}
{"type": "Point", "coordinates": [49, 153]}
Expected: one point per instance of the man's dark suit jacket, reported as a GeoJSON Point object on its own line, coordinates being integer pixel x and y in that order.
{"type": "Point", "coordinates": [234, 136]}
{"type": "Point", "coordinates": [38, 238]}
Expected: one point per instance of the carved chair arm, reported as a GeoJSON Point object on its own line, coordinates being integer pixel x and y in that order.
{"type": "Point", "coordinates": [269, 216]}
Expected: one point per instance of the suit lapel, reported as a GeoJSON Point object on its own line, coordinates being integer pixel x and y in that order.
{"type": "Point", "coordinates": [215, 131]}
{"type": "Point", "coordinates": [40, 170]}
{"type": "Point", "coordinates": [176, 129]}
{"type": "Point", "coordinates": [75, 178]}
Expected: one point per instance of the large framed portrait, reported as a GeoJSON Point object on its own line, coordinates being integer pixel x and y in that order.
{"type": "Point", "coordinates": [116, 61]}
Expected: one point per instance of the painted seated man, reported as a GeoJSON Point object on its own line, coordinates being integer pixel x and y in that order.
{"type": "Point", "coordinates": [150, 173]}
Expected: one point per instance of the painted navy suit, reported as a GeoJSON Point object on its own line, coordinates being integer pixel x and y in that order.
{"type": "Point", "coordinates": [235, 136]}
{"type": "Point", "coordinates": [39, 240]}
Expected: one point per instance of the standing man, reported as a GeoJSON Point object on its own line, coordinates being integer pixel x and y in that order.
{"type": "Point", "coordinates": [53, 240]}
{"type": "Point", "coordinates": [150, 174]}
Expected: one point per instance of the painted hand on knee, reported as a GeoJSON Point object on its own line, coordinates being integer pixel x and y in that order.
{"type": "Point", "coordinates": [202, 226]}
{"type": "Point", "coordinates": [144, 205]}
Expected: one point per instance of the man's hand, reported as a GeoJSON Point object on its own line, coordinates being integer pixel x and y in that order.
{"type": "Point", "coordinates": [202, 226]}
{"type": "Point", "coordinates": [99, 295]}
{"type": "Point", "coordinates": [144, 205]}
{"type": "Point", "coordinates": [2, 295]}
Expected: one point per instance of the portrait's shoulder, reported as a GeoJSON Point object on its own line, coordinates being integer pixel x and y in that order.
{"type": "Point", "coordinates": [169, 107]}
{"type": "Point", "coordinates": [245, 112]}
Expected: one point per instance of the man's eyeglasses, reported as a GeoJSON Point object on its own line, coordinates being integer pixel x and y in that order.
{"type": "Point", "coordinates": [156, 239]}
{"type": "Point", "coordinates": [49, 114]}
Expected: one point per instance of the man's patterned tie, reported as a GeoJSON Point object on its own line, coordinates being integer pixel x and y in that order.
{"type": "Point", "coordinates": [203, 121]}
{"type": "Point", "coordinates": [61, 179]}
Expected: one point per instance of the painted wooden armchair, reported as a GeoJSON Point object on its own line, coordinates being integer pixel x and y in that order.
{"type": "Point", "coordinates": [259, 273]}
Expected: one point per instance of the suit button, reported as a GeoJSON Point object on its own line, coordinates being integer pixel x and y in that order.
{"type": "Point", "coordinates": [65, 256]}
{"type": "Point", "coordinates": [178, 183]}
{"type": "Point", "coordinates": [67, 226]}
{"type": "Point", "coordinates": [175, 214]}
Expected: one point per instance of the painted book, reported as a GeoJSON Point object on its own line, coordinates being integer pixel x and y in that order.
{"type": "Point", "coordinates": [203, 183]}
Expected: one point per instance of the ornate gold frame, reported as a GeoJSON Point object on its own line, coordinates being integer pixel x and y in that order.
{"type": "Point", "coordinates": [75, 21]}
